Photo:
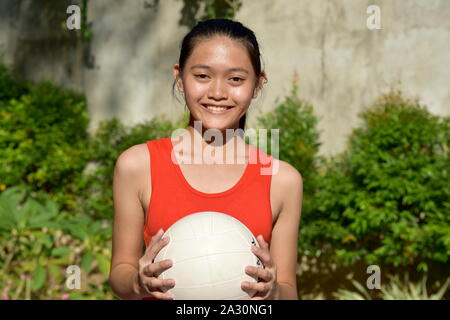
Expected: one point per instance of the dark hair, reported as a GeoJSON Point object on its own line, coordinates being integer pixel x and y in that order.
{"type": "Point", "coordinates": [221, 27]}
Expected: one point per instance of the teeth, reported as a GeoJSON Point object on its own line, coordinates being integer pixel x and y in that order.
{"type": "Point", "coordinates": [216, 108]}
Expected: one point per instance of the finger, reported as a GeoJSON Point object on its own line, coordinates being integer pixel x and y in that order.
{"type": "Point", "coordinates": [162, 295]}
{"type": "Point", "coordinates": [248, 270]}
{"type": "Point", "coordinates": [258, 273]}
{"type": "Point", "coordinates": [160, 285]}
{"type": "Point", "coordinates": [264, 255]}
{"type": "Point", "coordinates": [167, 284]}
{"type": "Point", "coordinates": [262, 242]}
{"type": "Point", "coordinates": [156, 268]}
{"type": "Point", "coordinates": [156, 237]}
{"type": "Point", "coordinates": [146, 257]}
{"type": "Point", "coordinates": [257, 298]}
{"type": "Point", "coordinates": [153, 239]}
{"type": "Point", "coordinates": [260, 288]}
{"type": "Point", "coordinates": [248, 289]}
{"type": "Point", "coordinates": [156, 247]}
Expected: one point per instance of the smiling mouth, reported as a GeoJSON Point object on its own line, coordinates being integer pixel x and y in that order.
{"type": "Point", "coordinates": [214, 108]}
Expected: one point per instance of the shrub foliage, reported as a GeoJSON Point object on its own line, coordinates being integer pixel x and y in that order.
{"type": "Point", "coordinates": [386, 199]}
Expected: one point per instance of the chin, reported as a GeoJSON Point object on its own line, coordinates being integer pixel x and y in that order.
{"type": "Point", "coordinates": [215, 127]}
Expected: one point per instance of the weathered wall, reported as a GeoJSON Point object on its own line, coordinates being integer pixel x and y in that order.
{"type": "Point", "coordinates": [342, 65]}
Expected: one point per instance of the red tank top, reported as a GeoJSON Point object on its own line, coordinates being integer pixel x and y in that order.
{"type": "Point", "coordinates": [173, 198]}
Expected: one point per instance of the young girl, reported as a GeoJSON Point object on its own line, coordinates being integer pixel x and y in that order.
{"type": "Point", "coordinates": [159, 182]}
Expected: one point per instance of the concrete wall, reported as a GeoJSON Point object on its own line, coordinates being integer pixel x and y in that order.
{"type": "Point", "coordinates": [342, 65]}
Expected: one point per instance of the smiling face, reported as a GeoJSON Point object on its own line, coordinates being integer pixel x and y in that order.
{"type": "Point", "coordinates": [218, 73]}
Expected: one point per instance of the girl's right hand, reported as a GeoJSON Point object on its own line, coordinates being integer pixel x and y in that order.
{"type": "Point", "coordinates": [149, 271]}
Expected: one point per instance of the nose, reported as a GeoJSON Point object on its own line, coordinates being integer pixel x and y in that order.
{"type": "Point", "coordinates": [218, 90]}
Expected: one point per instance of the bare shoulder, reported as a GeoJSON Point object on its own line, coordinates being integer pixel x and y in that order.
{"type": "Point", "coordinates": [287, 184]}
{"type": "Point", "coordinates": [134, 163]}
{"type": "Point", "coordinates": [132, 159]}
{"type": "Point", "coordinates": [286, 175]}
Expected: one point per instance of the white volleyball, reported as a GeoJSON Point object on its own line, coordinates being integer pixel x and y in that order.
{"type": "Point", "coordinates": [209, 251]}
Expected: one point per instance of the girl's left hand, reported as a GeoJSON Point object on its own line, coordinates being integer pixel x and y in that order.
{"type": "Point", "coordinates": [266, 287]}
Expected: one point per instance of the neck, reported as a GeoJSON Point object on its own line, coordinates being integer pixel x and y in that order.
{"type": "Point", "coordinates": [195, 143]}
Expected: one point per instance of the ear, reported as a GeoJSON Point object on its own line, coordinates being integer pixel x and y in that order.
{"type": "Point", "coordinates": [261, 81]}
{"type": "Point", "coordinates": [177, 75]}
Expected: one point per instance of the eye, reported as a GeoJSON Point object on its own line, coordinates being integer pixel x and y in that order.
{"type": "Point", "coordinates": [201, 76]}
{"type": "Point", "coordinates": [237, 79]}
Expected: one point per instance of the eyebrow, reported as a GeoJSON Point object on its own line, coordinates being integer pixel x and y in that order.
{"type": "Point", "coordinates": [203, 66]}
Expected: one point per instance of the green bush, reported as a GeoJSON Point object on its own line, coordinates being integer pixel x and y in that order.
{"type": "Point", "coordinates": [10, 86]}
{"type": "Point", "coordinates": [43, 137]}
{"type": "Point", "coordinates": [38, 242]}
{"type": "Point", "coordinates": [386, 199]}
{"type": "Point", "coordinates": [298, 139]}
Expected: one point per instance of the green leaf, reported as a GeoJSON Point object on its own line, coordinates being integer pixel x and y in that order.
{"type": "Point", "coordinates": [61, 251]}
{"type": "Point", "coordinates": [103, 264]}
{"type": "Point", "coordinates": [86, 262]}
{"type": "Point", "coordinates": [423, 266]}
{"type": "Point", "coordinates": [46, 240]}
{"type": "Point", "coordinates": [7, 208]}
{"type": "Point", "coordinates": [39, 277]}
{"type": "Point", "coordinates": [54, 270]}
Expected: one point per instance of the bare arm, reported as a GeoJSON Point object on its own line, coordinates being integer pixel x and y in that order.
{"type": "Point", "coordinates": [283, 248]}
{"type": "Point", "coordinates": [127, 243]}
